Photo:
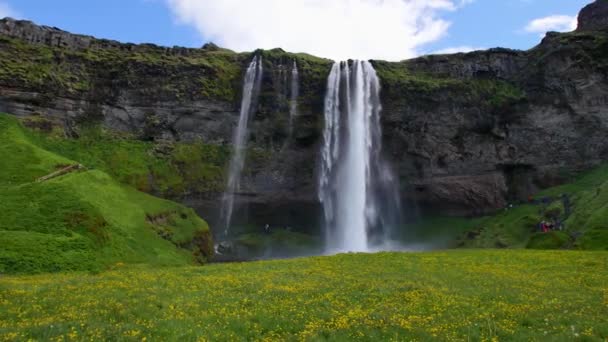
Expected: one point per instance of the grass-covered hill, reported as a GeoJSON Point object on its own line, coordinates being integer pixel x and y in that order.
{"type": "Point", "coordinates": [584, 214]}
{"type": "Point", "coordinates": [84, 219]}
{"type": "Point", "coordinates": [483, 295]}
{"type": "Point", "coordinates": [581, 205]}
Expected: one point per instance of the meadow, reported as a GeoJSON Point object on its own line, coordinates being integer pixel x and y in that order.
{"type": "Point", "coordinates": [460, 295]}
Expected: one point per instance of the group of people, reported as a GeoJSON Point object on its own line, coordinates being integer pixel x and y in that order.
{"type": "Point", "coordinates": [547, 226]}
{"type": "Point", "coordinates": [556, 220]}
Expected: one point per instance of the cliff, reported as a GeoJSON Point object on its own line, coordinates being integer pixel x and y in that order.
{"type": "Point", "coordinates": [466, 133]}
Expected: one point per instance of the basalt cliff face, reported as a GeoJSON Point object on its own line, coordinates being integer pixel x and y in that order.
{"type": "Point", "coordinates": [466, 133]}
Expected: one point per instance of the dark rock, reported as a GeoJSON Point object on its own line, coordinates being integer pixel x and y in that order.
{"type": "Point", "coordinates": [594, 16]}
{"type": "Point", "coordinates": [211, 47]}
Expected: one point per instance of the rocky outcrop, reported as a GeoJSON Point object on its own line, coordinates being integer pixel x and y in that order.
{"type": "Point", "coordinates": [594, 16]}
{"type": "Point", "coordinates": [466, 133]}
{"type": "Point", "coordinates": [525, 120]}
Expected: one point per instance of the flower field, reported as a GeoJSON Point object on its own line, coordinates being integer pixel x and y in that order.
{"type": "Point", "coordinates": [455, 295]}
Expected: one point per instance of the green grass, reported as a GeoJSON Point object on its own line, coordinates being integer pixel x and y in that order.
{"type": "Point", "coordinates": [179, 169]}
{"type": "Point", "coordinates": [586, 227]}
{"type": "Point", "coordinates": [83, 220]}
{"type": "Point", "coordinates": [436, 231]}
{"type": "Point", "coordinates": [457, 295]}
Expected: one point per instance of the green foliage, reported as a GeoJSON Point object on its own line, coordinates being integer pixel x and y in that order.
{"type": "Point", "coordinates": [398, 80]}
{"type": "Point", "coordinates": [550, 240]}
{"type": "Point", "coordinates": [84, 220]}
{"type": "Point", "coordinates": [181, 168]}
{"type": "Point", "coordinates": [37, 66]}
{"type": "Point", "coordinates": [212, 74]}
{"type": "Point", "coordinates": [497, 94]}
{"type": "Point", "coordinates": [509, 228]}
{"type": "Point", "coordinates": [445, 296]}
{"type": "Point", "coordinates": [436, 231]}
{"type": "Point", "coordinates": [587, 223]}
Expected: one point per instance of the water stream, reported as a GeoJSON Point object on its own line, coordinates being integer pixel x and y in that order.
{"type": "Point", "coordinates": [357, 189]}
{"type": "Point", "coordinates": [251, 89]}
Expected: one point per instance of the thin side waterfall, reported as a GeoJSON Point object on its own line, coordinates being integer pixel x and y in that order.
{"type": "Point", "coordinates": [251, 89]}
{"type": "Point", "coordinates": [357, 189]}
{"type": "Point", "coordinates": [295, 93]}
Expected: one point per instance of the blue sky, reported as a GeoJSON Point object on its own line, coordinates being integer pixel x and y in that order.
{"type": "Point", "coordinates": [452, 25]}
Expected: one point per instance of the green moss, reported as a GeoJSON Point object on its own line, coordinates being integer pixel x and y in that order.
{"type": "Point", "coordinates": [178, 169]}
{"type": "Point", "coordinates": [496, 94]}
{"type": "Point", "coordinates": [37, 66]}
{"type": "Point", "coordinates": [83, 220]}
{"type": "Point", "coordinates": [398, 80]}
{"type": "Point", "coordinates": [191, 73]}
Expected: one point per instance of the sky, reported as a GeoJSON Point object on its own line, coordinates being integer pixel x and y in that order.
{"type": "Point", "coordinates": [336, 29]}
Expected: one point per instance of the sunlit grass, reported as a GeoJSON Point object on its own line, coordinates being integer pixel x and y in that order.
{"type": "Point", "coordinates": [456, 295]}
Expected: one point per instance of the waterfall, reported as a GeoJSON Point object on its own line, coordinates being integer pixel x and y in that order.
{"type": "Point", "coordinates": [357, 189]}
{"type": "Point", "coordinates": [251, 88]}
{"type": "Point", "coordinates": [295, 93]}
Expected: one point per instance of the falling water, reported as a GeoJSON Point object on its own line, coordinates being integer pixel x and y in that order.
{"type": "Point", "coordinates": [251, 87]}
{"type": "Point", "coordinates": [295, 92]}
{"type": "Point", "coordinates": [356, 187]}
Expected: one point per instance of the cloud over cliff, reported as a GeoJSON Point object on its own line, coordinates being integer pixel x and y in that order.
{"type": "Point", "coordinates": [338, 29]}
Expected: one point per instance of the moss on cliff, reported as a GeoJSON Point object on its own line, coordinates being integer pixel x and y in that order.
{"type": "Point", "coordinates": [169, 169]}
{"type": "Point", "coordinates": [400, 81]}
{"type": "Point", "coordinates": [196, 73]}
{"type": "Point", "coordinates": [39, 67]}
{"type": "Point", "coordinates": [398, 78]}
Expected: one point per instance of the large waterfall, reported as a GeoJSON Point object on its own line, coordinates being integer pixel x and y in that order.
{"type": "Point", "coordinates": [251, 88]}
{"type": "Point", "coordinates": [357, 189]}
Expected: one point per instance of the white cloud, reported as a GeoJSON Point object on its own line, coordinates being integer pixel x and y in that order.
{"type": "Point", "coordinates": [456, 49]}
{"type": "Point", "coordinates": [6, 10]}
{"type": "Point", "coordinates": [338, 29]}
{"type": "Point", "coordinates": [560, 23]}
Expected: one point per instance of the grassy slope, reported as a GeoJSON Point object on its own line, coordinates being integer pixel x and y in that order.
{"type": "Point", "coordinates": [83, 220]}
{"type": "Point", "coordinates": [586, 228]}
{"type": "Point", "coordinates": [180, 168]}
{"type": "Point", "coordinates": [456, 295]}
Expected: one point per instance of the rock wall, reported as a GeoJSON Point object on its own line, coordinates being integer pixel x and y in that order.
{"type": "Point", "coordinates": [506, 124]}
{"type": "Point", "coordinates": [466, 133]}
{"type": "Point", "coordinates": [594, 17]}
